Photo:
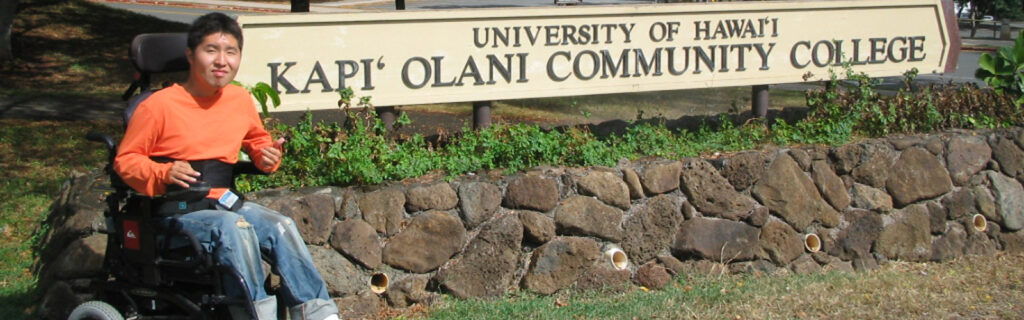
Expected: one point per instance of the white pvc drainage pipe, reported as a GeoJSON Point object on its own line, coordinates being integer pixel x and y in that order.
{"type": "Point", "coordinates": [979, 223]}
{"type": "Point", "coordinates": [616, 257]}
{"type": "Point", "coordinates": [812, 243]}
{"type": "Point", "coordinates": [379, 282]}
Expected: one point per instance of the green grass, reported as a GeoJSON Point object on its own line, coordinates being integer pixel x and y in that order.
{"type": "Point", "coordinates": [971, 287]}
{"type": "Point", "coordinates": [692, 297]}
{"type": "Point", "coordinates": [37, 158]}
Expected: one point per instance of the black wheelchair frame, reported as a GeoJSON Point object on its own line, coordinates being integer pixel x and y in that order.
{"type": "Point", "coordinates": [148, 277]}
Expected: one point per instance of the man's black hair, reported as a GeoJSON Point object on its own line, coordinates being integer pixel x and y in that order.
{"type": "Point", "coordinates": [211, 23]}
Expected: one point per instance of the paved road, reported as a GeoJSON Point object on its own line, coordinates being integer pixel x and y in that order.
{"type": "Point", "coordinates": [169, 13]}
{"type": "Point", "coordinates": [455, 4]}
{"type": "Point", "coordinates": [964, 73]}
{"type": "Point", "coordinates": [966, 65]}
{"type": "Point", "coordinates": [185, 12]}
{"type": "Point", "coordinates": [182, 14]}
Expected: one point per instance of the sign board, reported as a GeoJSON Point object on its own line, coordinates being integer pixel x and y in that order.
{"type": "Point", "coordinates": [420, 57]}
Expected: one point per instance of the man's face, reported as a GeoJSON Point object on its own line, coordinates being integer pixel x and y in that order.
{"type": "Point", "coordinates": [214, 62]}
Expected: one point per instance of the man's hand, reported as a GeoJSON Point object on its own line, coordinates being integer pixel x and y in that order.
{"type": "Point", "coordinates": [271, 156]}
{"type": "Point", "coordinates": [181, 174]}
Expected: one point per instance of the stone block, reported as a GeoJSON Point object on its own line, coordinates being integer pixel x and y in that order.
{"type": "Point", "coordinates": [348, 205]}
{"type": "Point", "coordinates": [82, 258]}
{"type": "Point", "coordinates": [537, 228]}
{"type": "Point", "coordinates": [856, 239]}
{"type": "Point", "coordinates": [362, 305]}
{"type": "Point", "coordinates": [652, 276]}
{"type": "Point", "coordinates": [411, 290]}
{"type": "Point", "coordinates": [781, 242]}
{"type": "Point", "coordinates": [801, 157]}
{"type": "Point", "coordinates": [950, 244]}
{"type": "Point", "coordinates": [908, 237]}
{"type": "Point", "coordinates": [755, 268]}
{"type": "Point", "coordinates": [805, 265]}
{"type": "Point", "coordinates": [917, 175]}
{"type": "Point", "coordinates": [1009, 156]}
{"type": "Point", "coordinates": [427, 242]}
{"type": "Point", "coordinates": [479, 202]}
{"type": "Point", "coordinates": [358, 241]}
{"type": "Point", "coordinates": [660, 177]}
{"type": "Point", "coordinates": [1013, 242]}
{"type": "Point", "coordinates": [711, 193]}
{"type": "Point", "coordinates": [875, 164]}
{"type": "Point", "coordinates": [744, 169]}
{"type": "Point", "coordinates": [791, 194]}
{"type": "Point", "coordinates": [558, 263]}
{"type": "Point", "coordinates": [649, 230]}
{"type": "Point", "coordinates": [868, 198]}
{"type": "Point", "coordinates": [531, 193]}
{"type": "Point", "coordinates": [846, 157]}
{"type": "Point", "coordinates": [716, 240]}
{"type": "Point", "coordinates": [1009, 197]}
{"type": "Point", "coordinates": [605, 186]}
{"type": "Point", "coordinates": [632, 180]}
{"type": "Point", "coordinates": [437, 196]}
{"type": "Point", "coordinates": [959, 204]}
{"type": "Point", "coordinates": [488, 265]}
{"type": "Point", "coordinates": [586, 216]}
{"type": "Point", "coordinates": [342, 277]}
{"type": "Point", "coordinates": [830, 185]}
{"type": "Point", "coordinates": [965, 157]}
{"type": "Point", "coordinates": [384, 210]}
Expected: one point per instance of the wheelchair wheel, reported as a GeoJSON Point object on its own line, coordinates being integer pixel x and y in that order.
{"type": "Point", "coordinates": [95, 310]}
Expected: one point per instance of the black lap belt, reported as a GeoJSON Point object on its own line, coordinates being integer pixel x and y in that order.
{"type": "Point", "coordinates": [217, 174]}
{"type": "Point", "coordinates": [212, 174]}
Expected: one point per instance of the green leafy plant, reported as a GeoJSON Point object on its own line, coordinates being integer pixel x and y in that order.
{"type": "Point", "coordinates": [361, 150]}
{"type": "Point", "coordinates": [1004, 70]}
{"type": "Point", "coordinates": [857, 107]}
{"type": "Point", "coordinates": [263, 94]}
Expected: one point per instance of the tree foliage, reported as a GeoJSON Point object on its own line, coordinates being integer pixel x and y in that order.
{"type": "Point", "coordinates": [1010, 9]}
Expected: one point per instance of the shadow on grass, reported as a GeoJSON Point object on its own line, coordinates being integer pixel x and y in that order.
{"type": "Point", "coordinates": [74, 45]}
{"type": "Point", "coordinates": [17, 305]}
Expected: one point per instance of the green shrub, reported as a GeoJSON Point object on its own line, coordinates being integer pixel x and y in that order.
{"type": "Point", "coordinates": [836, 113]}
{"type": "Point", "coordinates": [361, 151]}
{"type": "Point", "coordinates": [1004, 70]}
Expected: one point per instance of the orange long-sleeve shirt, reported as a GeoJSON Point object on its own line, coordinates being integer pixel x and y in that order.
{"type": "Point", "coordinates": [174, 124]}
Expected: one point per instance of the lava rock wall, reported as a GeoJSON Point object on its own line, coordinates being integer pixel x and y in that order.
{"type": "Point", "coordinates": [802, 210]}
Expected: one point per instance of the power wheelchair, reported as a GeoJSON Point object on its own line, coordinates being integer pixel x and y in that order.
{"type": "Point", "coordinates": [156, 270]}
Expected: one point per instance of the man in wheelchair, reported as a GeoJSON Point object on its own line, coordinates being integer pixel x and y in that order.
{"type": "Point", "coordinates": [188, 136]}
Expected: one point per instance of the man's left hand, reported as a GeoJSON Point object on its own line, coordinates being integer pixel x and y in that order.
{"type": "Point", "coordinates": [271, 156]}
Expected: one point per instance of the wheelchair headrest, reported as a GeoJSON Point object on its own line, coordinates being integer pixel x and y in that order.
{"type": "Point", "coordinates": [159, 52]}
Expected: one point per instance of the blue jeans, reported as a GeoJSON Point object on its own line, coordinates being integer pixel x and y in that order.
{"type": "Point", "coordinates": [237, 239]}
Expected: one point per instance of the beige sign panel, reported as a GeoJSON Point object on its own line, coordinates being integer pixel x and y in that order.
{"type": "Point", "coordinates": [419, 57]}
